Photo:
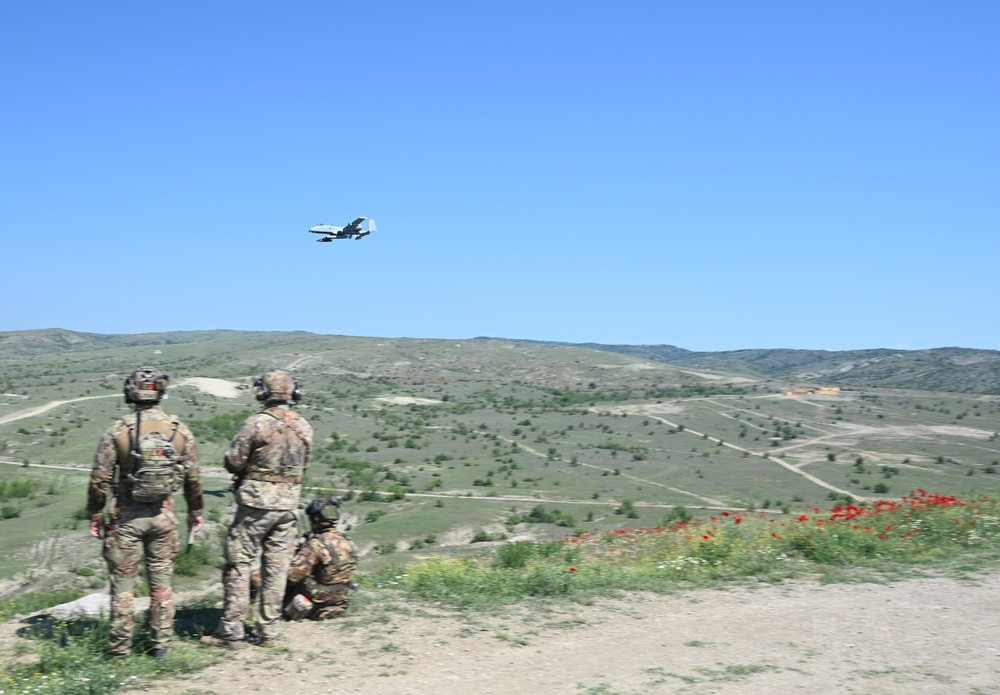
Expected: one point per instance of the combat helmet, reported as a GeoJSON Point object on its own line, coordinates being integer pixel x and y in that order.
{"type": "Point", "coordinates": [316, 511]}
{"type": "Point", "coordinates": [277, 385]}
{"type": "Point", "coordinates": [145, 385]}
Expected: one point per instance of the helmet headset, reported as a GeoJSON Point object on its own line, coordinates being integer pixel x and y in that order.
{"type": "Point", "coordinates": [274, 385]}
{"type": "Point", "coordinates": [145, 385]}
{"type": "Point", "coordinates": [316, 514]}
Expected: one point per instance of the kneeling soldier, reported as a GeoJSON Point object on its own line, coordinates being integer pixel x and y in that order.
{"type": "Point", "coordinates": [320, 574]}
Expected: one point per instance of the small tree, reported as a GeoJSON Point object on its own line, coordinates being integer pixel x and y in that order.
{"type": "Point", "coordinates": [678, 514]}
{"type": "Point", "coordinates": [627, 507]}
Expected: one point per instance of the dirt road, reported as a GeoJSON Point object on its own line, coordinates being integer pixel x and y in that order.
{"type": "Point", "coordinates": [41, 409]}
{"type": "Point", "coordinates": [917, 636]}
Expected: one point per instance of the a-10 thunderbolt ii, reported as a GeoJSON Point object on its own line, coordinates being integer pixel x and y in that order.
{"type": "Point", "coordinates": [351, 231]}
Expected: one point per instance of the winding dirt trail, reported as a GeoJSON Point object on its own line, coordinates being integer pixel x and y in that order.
{"type": "Point", "coordinates": [794, 469]}
{"type": "Point", "coordinates": [39, 409]}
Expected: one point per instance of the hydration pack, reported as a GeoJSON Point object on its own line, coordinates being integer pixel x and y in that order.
{"type": "Point", "coordinates": [153, 465]}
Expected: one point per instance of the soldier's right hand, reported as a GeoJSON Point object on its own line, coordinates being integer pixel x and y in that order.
{"type": "Point", "coordinates": [96, 527]}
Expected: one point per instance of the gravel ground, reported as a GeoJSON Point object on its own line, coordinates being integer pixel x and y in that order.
{"type": "Point", "coordinates": [936, 635]}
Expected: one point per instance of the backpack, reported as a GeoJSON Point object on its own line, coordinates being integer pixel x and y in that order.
{"type": "Point", "coordinates": [152, 465]}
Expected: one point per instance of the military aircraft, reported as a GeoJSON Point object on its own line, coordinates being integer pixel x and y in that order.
{"type": "Point", "coordinates": [351, 231]}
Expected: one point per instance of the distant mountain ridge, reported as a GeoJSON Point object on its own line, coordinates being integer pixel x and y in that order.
{"type": "Point", "coordinates": [45, 341]}
{"type": "Point", "coordinates": [939, 369]}
{"type": "Point", "coordinates": [965, 370]}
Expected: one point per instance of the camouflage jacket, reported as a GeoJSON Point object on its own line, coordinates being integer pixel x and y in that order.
{"type": "Point", "coordinates": [107, 469]}
{"type": "Point", "coordinates": [270, 454]}
{"type": "Point", "coordinates": [324, 564]}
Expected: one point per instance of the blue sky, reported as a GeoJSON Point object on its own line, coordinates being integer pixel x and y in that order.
{"type": "Point", "coordinates": [717, 175]}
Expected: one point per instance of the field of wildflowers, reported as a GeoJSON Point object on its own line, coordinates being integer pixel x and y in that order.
{"type": "Point", "coordinates": [922, 528]}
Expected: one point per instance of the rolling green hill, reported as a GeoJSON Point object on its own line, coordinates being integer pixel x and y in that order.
{"type": "Point", "coordinates": [442, 445]}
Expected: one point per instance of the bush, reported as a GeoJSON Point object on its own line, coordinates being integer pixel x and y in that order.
{"type": "Point", "coordinates": [514, 555]}
{"type": "Point", "coordinates": [190, 560]}
{"type": "Point", "coordinates": [678, 514]}
{"type": "Point", "coordinates": [10, 511]}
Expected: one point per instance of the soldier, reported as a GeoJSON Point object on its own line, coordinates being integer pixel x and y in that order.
{"type": "Point", "coordinates": [143, 458]}
{"type": "Point", "coordinates": [268, 458]}
{"type": "Point", "coordinates": [321, 571]}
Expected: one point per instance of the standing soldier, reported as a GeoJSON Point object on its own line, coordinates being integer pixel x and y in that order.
{"type": "Point", "coordinates": [268, 458]}
{"type": "Point", "coordinates": [321, 571]}
{"type": "Point", "coordinates": [143, 459]}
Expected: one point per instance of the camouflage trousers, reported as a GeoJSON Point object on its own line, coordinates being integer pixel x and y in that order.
{"type": "Point", "coordinates": [327, 601]}
{"type": "Point", "coordinates": [153, 532]}
{"type": "Point", "coordinates": [270, 534]}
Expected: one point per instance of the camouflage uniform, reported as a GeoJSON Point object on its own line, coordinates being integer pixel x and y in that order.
{"type": "Point", "coordinates": [135, 528]}
{"type": "Point", "coordinates": [321, 571]}
{"type": "Point", "coordinates": [269, 454]}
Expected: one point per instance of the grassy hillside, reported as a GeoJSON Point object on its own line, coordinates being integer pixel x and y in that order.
{"type": "Point", "coordinates": [941, 369]}
{"type": "Point", "coordinates": [447, 445]}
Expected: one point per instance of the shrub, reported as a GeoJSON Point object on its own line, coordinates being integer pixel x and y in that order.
{"type": "Point", "coordinates": [10, 511]}
{"type": "Point", "coordinates": [190, 560]}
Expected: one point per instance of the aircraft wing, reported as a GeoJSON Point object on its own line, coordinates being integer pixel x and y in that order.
{"type": "Point", "coordinates": [354, 226]}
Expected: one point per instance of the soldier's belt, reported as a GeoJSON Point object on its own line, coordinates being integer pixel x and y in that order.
{"type": "Point", "coordinates": [267, 478]}
{"type": "Point", "coordinates": [333, 588]}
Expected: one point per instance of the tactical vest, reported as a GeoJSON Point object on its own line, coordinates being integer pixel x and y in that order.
{"type": "Point", "coordinates": [289, 445]}
{"type": "Point", "coordinates": [337, 564]}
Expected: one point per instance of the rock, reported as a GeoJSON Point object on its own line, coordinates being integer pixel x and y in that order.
{"type": "Point", "coordinates": [89, 606]}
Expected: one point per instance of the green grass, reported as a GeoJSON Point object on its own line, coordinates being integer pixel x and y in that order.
{"type": "Point", "coordinates": [846, 543]}
{"type": "Point", "coordinates": [32, 601]}
{"type": "Point", "coordinates": [66, 660]}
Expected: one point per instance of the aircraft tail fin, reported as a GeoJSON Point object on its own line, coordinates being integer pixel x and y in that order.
{"type": "Point", "coordinates": [371, 226]}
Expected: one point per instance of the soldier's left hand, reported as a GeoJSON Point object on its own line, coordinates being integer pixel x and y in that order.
{"type": "Point", "coordinates": [195, 522]}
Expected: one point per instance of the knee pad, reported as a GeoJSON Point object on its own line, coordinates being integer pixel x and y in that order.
{"type": "Point", "coordinates": [298, 608]}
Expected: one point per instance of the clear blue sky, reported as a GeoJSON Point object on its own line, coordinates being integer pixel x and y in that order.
{"type": "Point", "coordinates": [711, 175]}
